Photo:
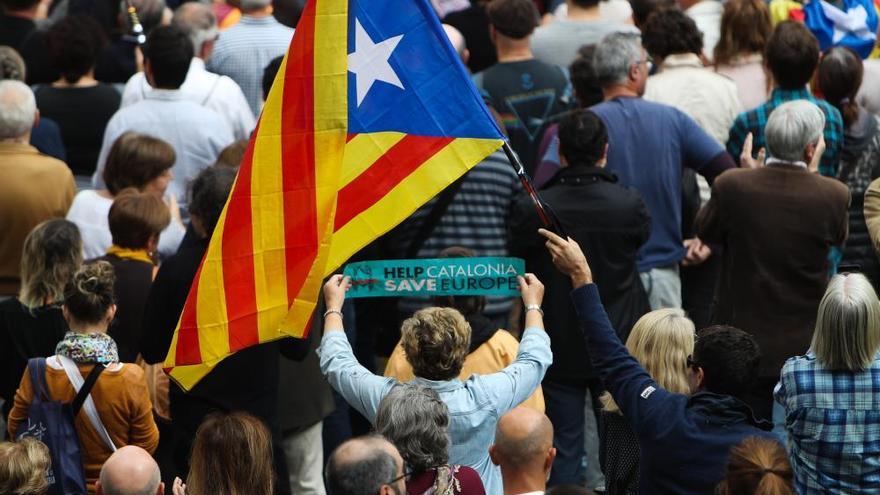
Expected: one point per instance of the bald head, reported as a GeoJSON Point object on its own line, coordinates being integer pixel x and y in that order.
{"type": "Point", "coordinates": [364, 466]}
{"type": "Point", "coordinates": [523, 437]}
{"type": "Point", "coordinates": [130, 471]}
{"type": "Point", "coordinates": [456, 39]}
{"type": "Point", "coordinates": [18, 110]}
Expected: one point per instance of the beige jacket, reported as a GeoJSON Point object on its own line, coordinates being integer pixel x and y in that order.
{"type": "Point", "coordinates": [872, 212]}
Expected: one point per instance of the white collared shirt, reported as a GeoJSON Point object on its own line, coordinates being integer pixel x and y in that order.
{"type": "Point", "coordinates": [219, 93]}
{"type": "Point", "coordinates": [196, 133]}
{"type": "Point", "coordinates": [772, 161]}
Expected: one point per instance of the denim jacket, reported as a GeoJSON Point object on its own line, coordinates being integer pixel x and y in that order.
{"type": "Point", "coordinates": [475, 405]}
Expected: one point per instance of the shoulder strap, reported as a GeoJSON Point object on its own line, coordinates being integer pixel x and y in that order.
{"type": "Point", "coordinates": [213, 88]}
{"type": "Point", "coordinates": [37, 367]}
{"type": "Point", "coordinates": [83, 388]}
{"type": "Point", "coordinates": [86, 388]}
{"type": "Point", "coordinates": [433, 218]}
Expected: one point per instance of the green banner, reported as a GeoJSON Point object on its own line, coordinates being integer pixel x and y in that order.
{"type": "Point", "coordinates": [435, 277]}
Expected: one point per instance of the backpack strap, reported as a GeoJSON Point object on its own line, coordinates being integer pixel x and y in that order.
{"type": "Point", "coordinates": [87, 404]}
{"type": "Point", "coordinates": [37, 368]}
{"type": "Point", "coordinates": [86, 388]}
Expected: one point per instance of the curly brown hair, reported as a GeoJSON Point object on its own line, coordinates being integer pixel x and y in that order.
{"type": "Point", "coordinates": [671, 32]}
{"type": "Point", "coordinates": [435, 342]}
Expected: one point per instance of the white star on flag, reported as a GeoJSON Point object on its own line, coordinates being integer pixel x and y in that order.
{"type": "Point", "coordinates": [369, 61]}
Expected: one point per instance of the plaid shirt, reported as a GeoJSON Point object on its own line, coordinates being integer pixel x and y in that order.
{"type": "Point", "coordinates": [833, 421]}
{"type": "Point", "coordinates": [754, 121]}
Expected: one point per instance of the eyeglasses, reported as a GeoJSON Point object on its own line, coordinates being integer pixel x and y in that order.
{"type": "Point", "coordinates": [404, 476]}
{"type": "Point", "coordinates": [407, 475]}
{"type": "Point", "coordinates": [648, 61]}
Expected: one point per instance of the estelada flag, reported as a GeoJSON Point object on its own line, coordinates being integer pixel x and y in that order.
{"type": "Point", "coordinates": [371, 115]}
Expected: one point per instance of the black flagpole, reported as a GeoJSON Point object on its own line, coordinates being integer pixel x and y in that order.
{"type": "Point", "coordinates": [544, 212]}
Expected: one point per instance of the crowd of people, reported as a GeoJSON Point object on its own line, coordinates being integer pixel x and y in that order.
{"type": "Point", "coordinates": [703, 318]}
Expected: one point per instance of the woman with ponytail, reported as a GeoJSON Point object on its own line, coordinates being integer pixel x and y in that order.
{"type": "Point", "coordinates": [757, 466]}
{"type": "Point", "coordinates": [838, 80]}
{"type": "Point", "coordinates": [121, 401]}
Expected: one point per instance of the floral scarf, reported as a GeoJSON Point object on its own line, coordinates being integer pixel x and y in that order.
{"type": "Point", "coordinates": [88, 348]}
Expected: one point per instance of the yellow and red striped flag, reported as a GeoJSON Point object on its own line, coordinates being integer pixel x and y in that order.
{"type": "Point", "coordinates": [371, 115]}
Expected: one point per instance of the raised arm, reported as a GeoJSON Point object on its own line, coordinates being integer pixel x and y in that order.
{"type": "Point", "coordinates": [360, 388]}
{"type": "Point", "coordinates": [641, 400]}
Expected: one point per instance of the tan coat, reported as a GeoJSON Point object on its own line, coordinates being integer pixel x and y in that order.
{"type": "Point", "coordinates": [491, 357]}
{"type": "Point", "coordinates": [872, 212]}
{"type": "Point", "coordinates": [33, 188]}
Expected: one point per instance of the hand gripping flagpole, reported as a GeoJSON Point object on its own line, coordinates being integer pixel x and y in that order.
{"type": "Point", "coordinates": [545, 213]}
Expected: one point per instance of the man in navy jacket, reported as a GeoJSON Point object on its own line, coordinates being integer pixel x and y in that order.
{"type": "Point", "coordinates": [684, 440]}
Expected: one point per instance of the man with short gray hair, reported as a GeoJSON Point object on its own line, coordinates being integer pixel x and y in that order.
{"type": "Point", "coordinates": [34, 187]}
{"type": "Point", "coordinates": [649, 143]}
{"type": "Point", "coordinates": [777, 224]}
{"type": "Point", "coordinates": [244, 50]}
{"type": "Point", "coordinates": [213, 91]}
{"type": "Point", "coordinates": [130, 471]}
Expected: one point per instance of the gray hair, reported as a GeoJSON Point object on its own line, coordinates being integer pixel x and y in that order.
{"type": "Point", "coordinates": [11, 64]}
{"type": "Point", "coordinates": [359, 466]}
{"type": "Point", "coordinates": [614, 56]}
{"type": "Point", "coordinates": [847, 334]}
{"type": "Point", "coordinates": [791, 127]}
{"type": "Point", "coordinates": [248, 5]}
{"type": "Point", "coordinates": [198, 21]}
{"type": "Point", "coordinates": [415, 420]}
{"type": "Point", "coordinates": [18, 109]}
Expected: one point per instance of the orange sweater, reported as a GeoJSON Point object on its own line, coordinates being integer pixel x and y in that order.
{"type": "Point", "coordinates": [122, 401]}
{"type": "Point", "coordinates": [491, 357]}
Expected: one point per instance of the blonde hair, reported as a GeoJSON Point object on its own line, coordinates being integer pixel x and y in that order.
{"type": "Point", "coordinates": [847, 332]}
{"type": "Point", "coordinates": [435, 342]}
{"type": "Point", "coordinates": [661, 341]}
{"type": "Point", "coordinates": [23, 467]}
{"type": "Point", "coordinates": [52, 253]}
{"type": "Point", "coordinates": [757, 466]}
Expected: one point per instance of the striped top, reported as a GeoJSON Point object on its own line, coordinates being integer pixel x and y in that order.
{"type": "Point", "coordinates": [476, 219]}
{"type": "Point", "coordinates": [244, 50]}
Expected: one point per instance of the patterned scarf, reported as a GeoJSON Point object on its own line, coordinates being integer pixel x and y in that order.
{"type": "Point", "coordinates": [88, 348]}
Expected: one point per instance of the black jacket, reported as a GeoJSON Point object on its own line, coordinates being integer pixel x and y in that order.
{"type": "Point", "coordinates": [25, 334]}
{"type": "Point", "coordinates": [133, 280]}
{"type": "Point", "coordinates": [611, 223]}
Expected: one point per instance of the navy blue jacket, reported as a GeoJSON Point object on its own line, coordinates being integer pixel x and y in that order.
{"type": "Point", "coordinates": [684, 441]}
